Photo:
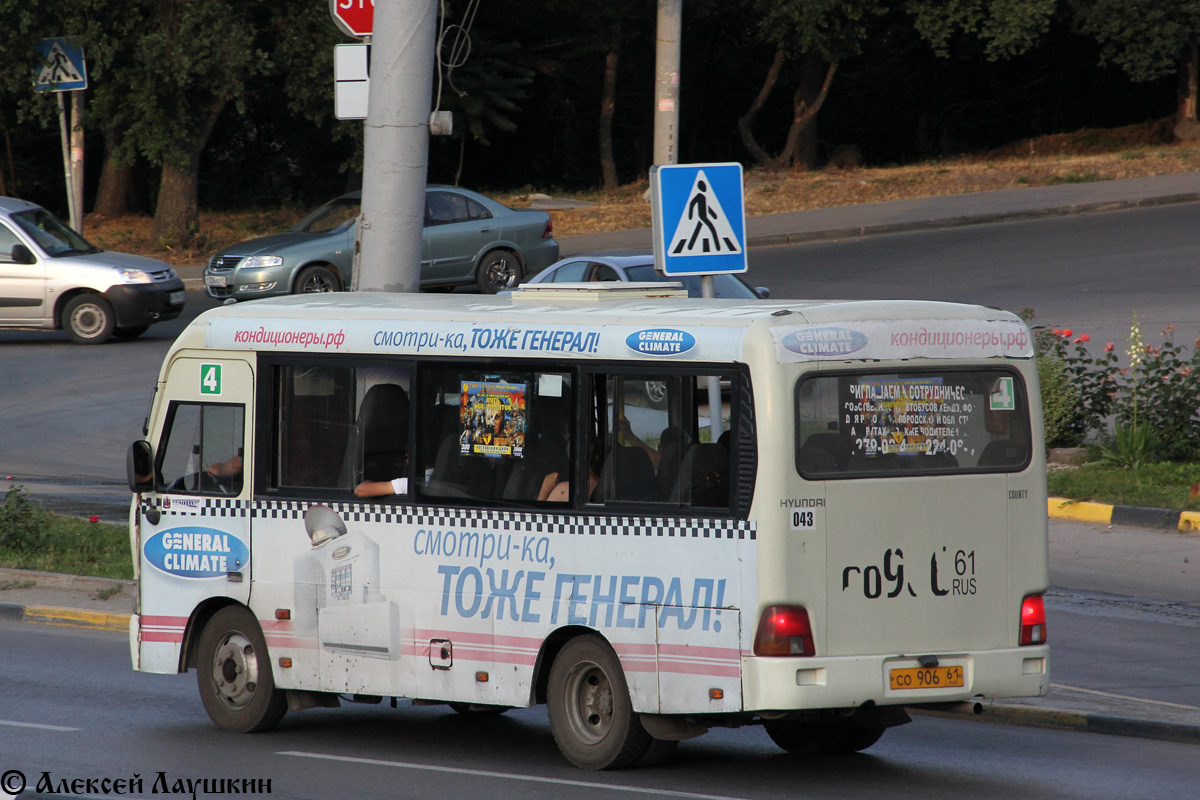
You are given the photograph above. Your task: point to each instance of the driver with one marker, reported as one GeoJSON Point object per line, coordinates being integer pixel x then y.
{"type": "Point", "coordinates": [225, 469]}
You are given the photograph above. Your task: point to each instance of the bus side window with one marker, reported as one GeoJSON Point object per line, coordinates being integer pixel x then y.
{"type": "Point", "coordinates": [203, 450]}
{"type": "Point", "coordinates": [659, 443]}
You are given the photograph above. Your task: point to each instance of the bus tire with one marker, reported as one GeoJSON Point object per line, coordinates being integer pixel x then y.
{"type": "Point", "coordinates": [822, 738]}
{"type": "Point", "coordinates": [233, 672]}
{"type": "Point", "coordinates": [591, 716]}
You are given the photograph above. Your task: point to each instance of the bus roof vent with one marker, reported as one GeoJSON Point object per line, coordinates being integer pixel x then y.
{"type": "Point", "coordinates": [596, 291]}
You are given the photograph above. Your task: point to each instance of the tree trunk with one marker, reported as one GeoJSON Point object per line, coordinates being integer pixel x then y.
{"type": "Point", "coordinates": [177, 216]}
{"type": "Point", "coordinates": [1189, 83]}
{"type": "Point", "coordinates": [806, 155]}
{"type": "Point", "coordinates": [746, 123]}
{"type": "Point", "coordinates": [113, 195]}
{"type": "Point", "coordinates": [802, 113]}
{"type": "Point", "coordinates": [608, 103]}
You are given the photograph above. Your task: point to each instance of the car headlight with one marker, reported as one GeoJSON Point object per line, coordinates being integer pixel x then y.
{"type": "Point", "coordinates": [258, 262]}
{"type": "Point", "coordinates": [130, 275]}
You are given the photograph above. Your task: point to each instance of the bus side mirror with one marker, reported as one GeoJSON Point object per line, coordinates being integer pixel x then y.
{"type": "Point", "coordinates": [23, 255]}
{"type": "Point", "coordinates": [762, 291]}
{"type": "Point", "coordinates": [139, 466]}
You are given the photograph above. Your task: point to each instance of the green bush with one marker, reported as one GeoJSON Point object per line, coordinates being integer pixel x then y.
{"type": "Point", "coordinates": [23, 522]}
{"type": "Point", "coordinates": [33, 538]}
{"type": "Point", "coordinates": [1060, 403]}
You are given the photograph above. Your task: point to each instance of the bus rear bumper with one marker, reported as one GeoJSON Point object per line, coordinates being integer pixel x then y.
{"type": "Point", "coordinates": [780, 684]}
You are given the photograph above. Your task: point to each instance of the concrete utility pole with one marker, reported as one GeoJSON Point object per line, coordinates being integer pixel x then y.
{"type": "Point", "coordinates": [666, 82]}
{"type": "Point", "coordinates": [396, 145]}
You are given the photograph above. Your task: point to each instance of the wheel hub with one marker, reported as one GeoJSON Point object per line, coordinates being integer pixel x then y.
{"type": "Point", "coordinates": [591, 709]}
{"type": "Point", "coordinates": [235, 671]}
{"type": "Point", "coordinates": [87, 320]}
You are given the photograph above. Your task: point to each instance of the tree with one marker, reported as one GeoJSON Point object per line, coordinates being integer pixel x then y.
{"type": "Point", "coordinates": [818, 34]}
{"type": "Point", "coordinates": [192, 60]}
{"type": "Point", "coordinates": [1150, 40]}
{"type": "Point", "coordinates": [1005, 27]}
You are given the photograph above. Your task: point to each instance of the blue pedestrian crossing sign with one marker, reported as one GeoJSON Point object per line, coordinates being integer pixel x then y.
{"type": "Point", "coordinates": [60, 67]}
{"type": "Point", "coordinates": [699, 218]}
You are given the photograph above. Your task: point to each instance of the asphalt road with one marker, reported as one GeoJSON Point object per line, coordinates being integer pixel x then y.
{"type": "Point", "coordinates": [1088, 273]}
{"type": "Point", "coordinates": [72, 708]}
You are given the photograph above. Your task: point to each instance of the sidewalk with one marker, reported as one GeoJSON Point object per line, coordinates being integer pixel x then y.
{"type": "Point", "coordinates": [871, 219]}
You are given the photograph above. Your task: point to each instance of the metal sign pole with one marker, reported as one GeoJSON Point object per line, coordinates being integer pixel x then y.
{"type": "Point", "coordinates": [76, 166]}
{"type": "Point", "coordinates": [64, 134]}
{"type": "Point", "coordinates": [716, 410]}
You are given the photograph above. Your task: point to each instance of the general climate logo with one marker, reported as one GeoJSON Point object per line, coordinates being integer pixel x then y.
{"type": "Point", "coordinates": [196, 552]}
{"type": "Point", "coordinates": [660, 342]}
{"type": "Point", "coordinates": [827, 341]}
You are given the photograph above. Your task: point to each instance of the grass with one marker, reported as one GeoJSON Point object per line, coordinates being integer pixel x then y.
{"type": "Point", "coordinates": [1150, 486]}
{"type": "Point", "coordinates": [1133, 151]}
{"type": "Point", "coordinates": [33, 538]}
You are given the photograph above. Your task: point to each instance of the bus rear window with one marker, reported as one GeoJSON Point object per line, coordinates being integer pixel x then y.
{"type": "Point", "coordinates": [887, 423]}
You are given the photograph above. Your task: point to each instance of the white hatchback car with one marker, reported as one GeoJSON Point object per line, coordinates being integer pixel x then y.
{"type": "Point", "coordinates": [52, 278]}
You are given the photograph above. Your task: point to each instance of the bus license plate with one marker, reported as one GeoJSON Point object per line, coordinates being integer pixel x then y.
{"type": "Point", "coordinates": [927, 678]}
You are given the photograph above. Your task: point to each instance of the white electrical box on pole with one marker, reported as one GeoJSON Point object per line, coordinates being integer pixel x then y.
{"type": "Point", "coordinates": [396, 146]}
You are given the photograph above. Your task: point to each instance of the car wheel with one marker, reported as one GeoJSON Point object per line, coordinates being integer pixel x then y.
{"type": "Point", "coordinates": [656, 393]}
{"type": "Point", "coordinates": [498, 270]}
{"type": "Point", "coordinates": [316, 280]}
{"type": "Point", "coordinates": [233, 672]}
{"type": "Point", "coordinates": [130, 333]}
{"type": "Point", "coordinates": [88, 319]}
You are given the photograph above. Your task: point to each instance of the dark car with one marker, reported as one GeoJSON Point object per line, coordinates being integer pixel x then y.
{"type": "Point", "coordinates": [468, 239]}
{"type": "Point", "coordinates": [638, 265]}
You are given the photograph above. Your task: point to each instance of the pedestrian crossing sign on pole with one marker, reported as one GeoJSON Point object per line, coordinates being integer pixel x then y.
{"type": "Point", "coordinates": [60, 67]}
{"type": "Point", "coordinates": [699, 218]}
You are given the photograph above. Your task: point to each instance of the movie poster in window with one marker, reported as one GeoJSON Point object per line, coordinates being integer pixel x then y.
{"type": "Point", "coordinates": [493, 419]}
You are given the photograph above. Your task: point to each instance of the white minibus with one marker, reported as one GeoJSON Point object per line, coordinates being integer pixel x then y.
{"type": "Point", "coordinates": [824, 513]}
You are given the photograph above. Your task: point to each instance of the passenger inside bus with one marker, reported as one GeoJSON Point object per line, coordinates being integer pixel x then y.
{"type": "Point", "coordinates": [381, 442]}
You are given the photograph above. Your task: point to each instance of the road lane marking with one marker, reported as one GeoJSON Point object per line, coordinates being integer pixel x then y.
{"type": "Point", "coordinates": [505, 775]}
{"type": "Point", "coordinates": [37, 725]}
{"type": "Point", "coordinates": [1123, 697]}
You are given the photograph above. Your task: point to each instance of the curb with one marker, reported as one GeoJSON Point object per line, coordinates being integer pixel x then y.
{"type": "Point", "coordinates": [67, 617]}
{"type": "Point", "coordinates": [1157, 518]}
{"type": "Point", "coordinates": [1076, 721]}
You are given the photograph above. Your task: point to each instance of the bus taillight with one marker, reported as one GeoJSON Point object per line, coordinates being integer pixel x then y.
{"type": "Point", "coordinates": [784, 631]}
{"type": "Point", "coordinates": [1033, 620]}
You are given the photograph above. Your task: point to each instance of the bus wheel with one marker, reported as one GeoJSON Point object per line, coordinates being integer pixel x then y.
{"type": "Point", "coordinates": [234, 674]}
{"type": "Point", "coordinates": [591, 717]}
{"type": "Point", "coordinates": [822, 738]}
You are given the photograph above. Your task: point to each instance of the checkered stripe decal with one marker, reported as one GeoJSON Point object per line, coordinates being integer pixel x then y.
{"type": "Point", "coordinates": [484, 520]}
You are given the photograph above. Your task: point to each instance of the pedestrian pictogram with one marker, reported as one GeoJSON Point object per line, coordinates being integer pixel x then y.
{"type": "Point", "coordinates": [699, 219]}
{"type": "Point", "coordinates": [703, 229]}
{"type": "Point", "coordinates": [59, 67]}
